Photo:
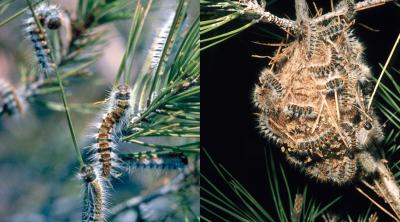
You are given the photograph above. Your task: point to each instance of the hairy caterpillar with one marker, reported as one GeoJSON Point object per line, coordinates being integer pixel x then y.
{"type": "Point", "coordinates": [158, 44]}
{"type": "Point", "coordinates": [325, 70]}
{"type": "Point", "coordinates": [334, 84]}
{"type": "Point", "coordinates": [296, 111]}
{"type": "Point", "coordinates": [10, 101]}
{"type": "Point", "coordinates": [312, 41]}
{"type": "Point", "coordinates": [332, 31]}
{"type": "Point", "coordinates": [339, 172]}
{"type": "Point", "coordinates": [105, 146]}
{"type": "Point", "coordinates": [269, 87]}
{"type": "Point", "coordinates": [265, 129]}
{"type": "Point", "coordinates": [48, 16]}
{"type": "Point", "coordinates": [94, 197]}
{"type": "Point", "coordinates": [151, 160]}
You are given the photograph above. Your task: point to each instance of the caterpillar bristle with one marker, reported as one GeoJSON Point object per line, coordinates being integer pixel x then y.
{"type": "Point", "coordinates": [94, 196]}
{"type": "Point", "coordinates": [103, 152]}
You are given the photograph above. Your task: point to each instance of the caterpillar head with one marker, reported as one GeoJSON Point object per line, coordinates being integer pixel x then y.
{"type": "Point", "coordinates": [53, 17]}
{"type": "Point", "coordinates": [53, 22]}
{"type": "Point", "coordinates": [368, 132]}
{"type": "Point", "coordinates": [87, 173]}
{"type": "Point", "coordinates": [123, 88]}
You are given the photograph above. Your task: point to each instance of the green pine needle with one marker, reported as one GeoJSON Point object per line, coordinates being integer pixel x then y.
{"type": "Point", "coordinates": [244, 207]}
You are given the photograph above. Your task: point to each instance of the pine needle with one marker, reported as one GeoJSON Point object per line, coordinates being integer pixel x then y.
{"type": "Point", "coordinates": [383, 70]}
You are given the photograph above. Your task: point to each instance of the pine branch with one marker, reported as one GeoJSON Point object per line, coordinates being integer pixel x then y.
{"type": "Point", "coordinates": [169, 99]}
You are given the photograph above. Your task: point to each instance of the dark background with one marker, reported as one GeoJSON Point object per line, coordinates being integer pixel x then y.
{"type": "Point", "coordinates": [228, 123]}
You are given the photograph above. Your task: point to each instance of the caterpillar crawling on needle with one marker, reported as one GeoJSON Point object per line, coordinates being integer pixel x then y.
{"type": "Point", "coordinates": [106, 139]}
{"type": "Point", "coordinates": [48, 16]}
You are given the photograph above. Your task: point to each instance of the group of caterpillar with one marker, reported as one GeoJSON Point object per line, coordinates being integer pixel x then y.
{"type": "Point", "coordinates": [48, 16]}
{"type": "Point", "coordinates": [112, 123]}
{"type": "Point", "coordinates": [323, 68]}
{"type": "Point", "coordinates": [12, 100]}
{"type": "Point", "coordinates": [105, 161]}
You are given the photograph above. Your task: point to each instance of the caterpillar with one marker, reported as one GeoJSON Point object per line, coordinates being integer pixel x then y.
{"type": "Point", "coordinates": [339, 171]}
{"type": "Point", "coordinates": [348, 5]}
{"type": "Point", "coordinates": [321, 146]}
{"type": "Point", "coordinates": [269, 87]}
{"type": "Point", "coordinates": [49, 16]}
{"type": "Point", "coordinates": [332, 31]}
{"type": "Point", "coordinates": [151, 160]}
{"type": "Point", "coordinates": [158, 45]}
{"type": "Point", "coordinates": [296, 111]}
{"type": "Point", "coordinates": [354, 47]}
{"type": "Point", "coordinates": [94, 195]}
{"type": "Point", "coordinates": [334, 84]}
{"type": "Point", "coordinates": [321, 71]}
{"type": "Point", "coordinates": [10, 101]}
{"type": "Point", "coordinates": [266, 130]}
{"type": "Point", "coordinates": [111, 123]}
{"type": "Point", "coordinates": [312, 40]}
{"type": "Point", "coordinates": [268, 79]}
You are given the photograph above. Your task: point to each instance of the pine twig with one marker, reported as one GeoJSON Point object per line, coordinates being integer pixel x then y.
{"type": "Point", "coordinates": [386, 187]}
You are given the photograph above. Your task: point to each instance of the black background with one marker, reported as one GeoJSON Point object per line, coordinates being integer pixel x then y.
{"type": "Point", "coordinates": [228, 126]}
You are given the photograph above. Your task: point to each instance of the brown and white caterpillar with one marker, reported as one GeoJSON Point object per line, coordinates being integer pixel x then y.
{"type": "Point", "coordinates": [10, 101]}
{"type": "Point", "coordinates": [103, 151]}
{"type": "Point", "coordinates": [14, 100]}
{"type": "Point", "coordinates": [151, 160]}
{"type": "Point", "coordinates": [48, 16]}
{"type": "Point", "coordinates": [94, 195]}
